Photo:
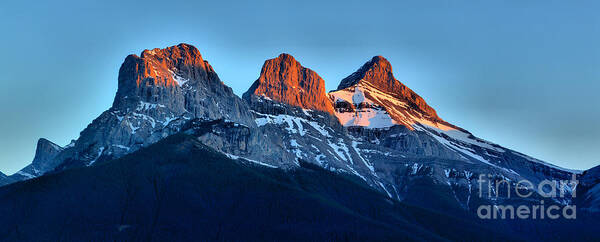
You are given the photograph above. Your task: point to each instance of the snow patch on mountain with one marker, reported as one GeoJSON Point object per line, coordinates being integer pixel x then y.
{"type": "Point", "coordinates": [98, 156]}
{"type": "Point", "coordinates": [341, 150]}
{"type": "Point", "coordinates": [366, 112]}
{"type": "Point", "coordinates": [294, 124]}
{"type": "Point", "coordinates": [366, 106]}
{"type": "Point", "coordinates": [357, 150]}
{"type": "Point", "coordinates": [180, 80]}
{"type": "Point", "coordinates": [25, 174]}
{"type": "Point", "coordinates": [235, 157]}
{"type": "Point", "coordinates": [386, 191]}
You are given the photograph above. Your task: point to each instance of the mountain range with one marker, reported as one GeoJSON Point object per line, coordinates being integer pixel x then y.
{"type": "Point", "coordinates": [371, 156]}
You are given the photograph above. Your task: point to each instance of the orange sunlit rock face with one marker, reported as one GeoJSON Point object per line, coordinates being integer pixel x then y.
{"type": "Point", "coordinates": [159, 67]}
{"type": "Point", "coordinates": [157, 74]}
{"type": "Point", "coordinates": [283, 79]}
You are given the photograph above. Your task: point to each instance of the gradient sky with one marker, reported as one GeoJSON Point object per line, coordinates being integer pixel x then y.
{"type": "Point", "coordinates": [523, 74]}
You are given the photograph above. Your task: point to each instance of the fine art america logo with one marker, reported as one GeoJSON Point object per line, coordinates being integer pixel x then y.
{"type": "Point", "coordinates": [545, 197]}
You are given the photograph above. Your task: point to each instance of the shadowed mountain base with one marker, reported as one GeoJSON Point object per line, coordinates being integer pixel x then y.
{"type": "Point", "coordinates": [179, 189]}
{"type": "Point", "coordinates": [190, 191]}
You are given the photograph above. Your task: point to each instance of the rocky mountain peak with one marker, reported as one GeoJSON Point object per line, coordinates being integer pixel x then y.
{"type": "Point", "coordinates": [377, 71]}
{"type": "Point", "coordinates": [286, 58]}
{"type": "Point", "coordinates": [373, 86]}
{"type": "Point", "coordinates": [173, 67]}
{"type": "Point", "coordinates": [45, 149]}
{"type": "Point", "coordinates": [285, 80]}
{"type": "Point", "coordinates": [43, 161]}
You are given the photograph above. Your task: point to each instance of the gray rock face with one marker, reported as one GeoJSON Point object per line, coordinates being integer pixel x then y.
{"type": "Point", "coordinates": [45, 153]}
{"type": "Point", "coordinates": [226, 136]}
{"type": "Point", "coordinates": [401, 139]}
{"type": "Point", "coordinates": [292, 135]}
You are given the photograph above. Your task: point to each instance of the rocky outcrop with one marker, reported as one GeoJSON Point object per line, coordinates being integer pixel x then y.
{"type": "Point", "coordinates": [225, 136]}
{"type": "Point", "coordinates": [45, 152]}
{"type": "Point", "coordinates": [43, 161]}
{"type": "Point", "coordinates": [285, 80]}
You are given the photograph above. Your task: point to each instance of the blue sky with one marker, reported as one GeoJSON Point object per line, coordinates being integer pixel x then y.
{"type": "Point", "coordinates": [523, 74]}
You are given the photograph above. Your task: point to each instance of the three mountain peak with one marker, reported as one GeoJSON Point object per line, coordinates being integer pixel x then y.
{"type": "Point", "coordinates": [282, 79]}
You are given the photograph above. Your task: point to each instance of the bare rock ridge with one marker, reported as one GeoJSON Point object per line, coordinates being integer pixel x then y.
{"type": "Point", "coordinates": [285, 80]}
